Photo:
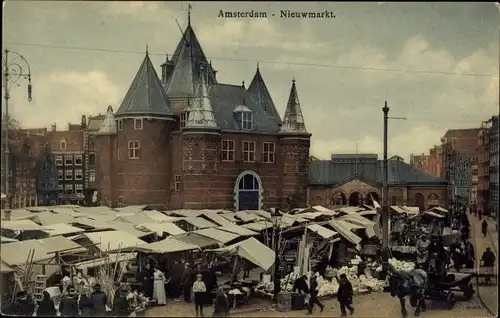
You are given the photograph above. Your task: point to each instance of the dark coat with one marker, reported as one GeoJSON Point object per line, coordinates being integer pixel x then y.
{"type": "Point", "coordinates": [69, 306]}
{"type": "Point", "coordinates": [300, 285]}
{"type": "Point", "coordinates": [98, 300]}
{"type": "Point", "coordinates": [46, 308]}
{"type": "Point", "coordinates": [313, 291]}
{"type": "Point", "coordinates": [24, 308]}
{"type": "Point", "coordinates": [221, 307]}
{"type": "Point", "coordinates": [85, 306]}
{"type": "Point", "coordinates": [345, 292]}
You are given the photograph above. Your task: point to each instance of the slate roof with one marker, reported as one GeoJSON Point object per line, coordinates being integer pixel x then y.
{"type": "Point", "coordinates": [293, 121]}
{"type": "Point", "coordinates": [225, 98]}
{"type": "Point", "coordinates": [146, 95]}
{"type": "Point", "coordinates": [324, 172]}
{"type": "Point", "coordinates": [187, 58]}
{"type": "Point", "coordinates": [259, 89]}
{"type": "Point", "coordinates": [108, 125]}
{"type": "Point", "coordinates": [201, 114]}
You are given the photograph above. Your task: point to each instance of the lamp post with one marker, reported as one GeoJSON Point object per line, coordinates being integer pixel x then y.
{"type": "Point", "coordinates": [385, 194]}
{"type": "Point", "coordinates": [276, 220]}
{"type": "Point", "coordinates": [14, 69]}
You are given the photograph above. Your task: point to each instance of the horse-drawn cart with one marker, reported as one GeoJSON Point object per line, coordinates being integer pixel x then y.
{"type": "Point", "coordinates": [444, 288]}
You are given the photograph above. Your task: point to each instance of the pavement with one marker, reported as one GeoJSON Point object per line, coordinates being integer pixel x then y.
{"type": "Point", "coordinates": [488, 294]}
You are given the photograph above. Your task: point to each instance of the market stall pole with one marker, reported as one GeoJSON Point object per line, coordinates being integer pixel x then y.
{"type": "Point", "coordinates": [276, 219]}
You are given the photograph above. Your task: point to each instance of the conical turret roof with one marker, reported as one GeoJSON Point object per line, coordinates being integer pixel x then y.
{"type": "Point", "coordinates": [108, 126]}
{"type": "Point", "coordinates": [260, 92]}
{"type": "Point", "coordinates": [201, 114]}
{"type": "Point", "coordinates": [293, 121]}
{"type": "Point", "coordinates": [187, 58]}
{"type": "Point", "coordinates": [146, 96]}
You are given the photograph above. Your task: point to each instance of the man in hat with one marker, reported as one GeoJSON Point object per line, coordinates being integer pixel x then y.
{"type": "Point", "coordinates": [69, 303]}
{"type": "Point", "coordinates": [99, 300]}
{"type": "Point", "coordinates": [21, 306]}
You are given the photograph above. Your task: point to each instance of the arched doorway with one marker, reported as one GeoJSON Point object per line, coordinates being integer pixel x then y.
{"type": "Point", "coordinates": [432, 200]}
{"type": "Point", "coordinates": [369, 200]}
{"type": "Point", "coordinates": [248, 191]}
{"type": "Point", "coordinates": [338, 198]}
{"type": "Point", "coordinates": [355, 199]}
{"type": "Point", "coordinates": [419, 200]}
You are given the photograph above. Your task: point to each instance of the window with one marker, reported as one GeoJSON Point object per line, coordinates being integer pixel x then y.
{"type": "Point", "coordinates": [62, 144]}
{"type": "Point", "coordinates": [120, 200]}
{"type": "Point", "coordinates": [246, 120]}
{"type": "Point", "coordinates": [79, 188]}
{"type": "Point", "coordinates": [184, 118]}
{"type": "Point", "coordinates": [68, 160]}
{"type": "Point", "coordinates": [60, 187]}
{"type": "Point", "coordinates": [133, 149]}
{"type": "Point", "coordinates": [249, 151]}
{"type": "Point", "coordinates": [138, 123]}
{"type": "Point", "coordinates": [78, 174]}
{"type": "Point", "coordinates": [78, 160]}
{"type": "Point", "coordinates": [68, 188]}
{"type": "Point", "coordinates": [119, 124]}
{"type": "Point", "coordinates": [92, 176]}
{"type": "Point", "coordinates": [227, 150]}
{"type": "Point", "coordinates": [52, 183]}
{"type": "Point", "coordinates": [59, 160]}
{"type": "Point", "coordinates": [268, 152]}
{"type": "Point", "coordinates": [178, 181]}
{"type": "Point", "coordinates": [91, 158]}
{"type": "Point", "coordinates": [68, 174]}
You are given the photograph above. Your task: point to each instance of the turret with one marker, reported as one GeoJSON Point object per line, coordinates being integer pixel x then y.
{"type": "Point", "coordinates": [144, 124]}
{"type": "Point", "coordinates": [105, 146]}
{"type": "Point", "coordinates": [295, 142]}
{"type": "Point", "coordinates": [166, 71]}
{"type": "Point", "coordinates": [200, 141]}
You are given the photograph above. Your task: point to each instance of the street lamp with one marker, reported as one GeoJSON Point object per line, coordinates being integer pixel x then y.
{"type": "Point", "coordinates": [276, 220]}
{"type": "Point", "coordinates": [13, 70]}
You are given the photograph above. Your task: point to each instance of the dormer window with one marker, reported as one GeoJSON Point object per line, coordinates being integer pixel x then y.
{"type": "Point", "coordinates": [62, 144]}
{"type": "Point", "coordinates": [244, 117]}
{"type": "Point", "coordinates": [184, 118]}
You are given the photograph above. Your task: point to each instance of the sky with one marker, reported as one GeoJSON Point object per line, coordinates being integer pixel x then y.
{"type": "Point", "coordinates": [436, 64]}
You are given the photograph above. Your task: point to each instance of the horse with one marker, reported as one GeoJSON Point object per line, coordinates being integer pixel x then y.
{"type": "Point", "coordinates": [412, 284]}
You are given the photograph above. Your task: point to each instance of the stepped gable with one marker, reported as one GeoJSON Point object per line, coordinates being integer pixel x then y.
{"type": "Point", "coordinates": [146, 96]}
{"type": "Point", "coordinates": [293, 121]}
{"type": "Point", "coordinates": [187, 58]}
{"type": "Point", "coordinates": [259, 90]}
{"type": "Point", "coordinates": [108, 125]}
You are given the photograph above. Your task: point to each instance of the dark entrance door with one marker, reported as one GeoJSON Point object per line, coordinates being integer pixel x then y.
{"type": "Point", "coordinates": [248, 193]}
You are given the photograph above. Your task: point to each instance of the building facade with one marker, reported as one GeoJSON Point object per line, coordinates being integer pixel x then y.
{"type": "Point", "coordinates": [357, 179]}
{"type": "Point", "coordinates": [493, 168]}
{"type": "Point", "coordinates": [430, 163]}
{"type": "Point", "coordinates": [188, 141]}
{"type": "Point", "coordinates": [47, 181]}
{"type": "Point", "coordinates": [483, 166]}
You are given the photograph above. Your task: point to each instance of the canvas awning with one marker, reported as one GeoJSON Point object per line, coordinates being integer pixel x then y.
{"type": "Point", "coordinates": [135, 219]}
{"type": "Point", "coordinates": [229, 216]}
{"type": "Point", "coordinates": [220, 220]}
{"type": "Point", "coordinates": [160, 228]}
{"type": "Point", "coordinates": [199, 223]}
{"type": "Point", "coordinates": [433, 214]}
{"type": "Point", "coordinates": [47, 218]}
{"type": "Point", "coordinates": [22, 225]}
{"type": "Point", "coordinates": [247, 217]}
{"type": "Point", "coordinates": [345, 232]}
{"type": "Point", "coordinates": [322, 231]}
{"type": "Point", "coordinates": [439, 209]}
{"type": "Point", "coordinates": [368, 225]}
{"type": "Point", "coordinates": [61, 229]}
{"type": "Point", "coordinates": [261, 213]}
{"type": "Point", "coordinates": [16, 253]}
{"type": "Point", "coordinates": [398, 209]}
{"type": "Point", "coordinates": [112, 259]}
{"type": "Point", "coordinates": [186, 213]}
{"type": "Point", "coordinates": [113, 240]}
{"type": "Point", "coordinates": [4, 239]}
{"type": "Point", "coordinates": [258, 226]}
{"type": "Point", "coordinates": [61, 244]}
{"type": "Point", "coordinates": [236, 229]}
{"type": "Point", "coordinates": [197, 240]}
{"type": "Point", "coordinates": [351, 209]}
{"type": "Point", "coordinates": [412, 209]}
{"type": "Point", "coordinates": [310, 215]}
{"type": "Point", "coordinates": [160, 217]}
{"type": "Point", "coordinates": [220, 236]}
{"type": "Point", "coordinates": [251, 250]}
{"type": "Point", "coordinates": [4, 268]}
{"type": "Point", "coordinates": [168, 245]}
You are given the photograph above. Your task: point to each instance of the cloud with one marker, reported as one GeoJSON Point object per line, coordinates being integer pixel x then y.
{"type": "Point", "coordinates": [63, 97]}
{"type": "Point", "coordinates": [138, 11]}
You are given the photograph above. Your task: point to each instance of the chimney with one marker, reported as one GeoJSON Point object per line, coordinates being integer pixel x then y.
{"type": "Point", "coordinates": [84, 122]}
{"type": "Point", "coordinates": [167, 69]}
{"type": "Point", "coordinates": [53, 127]}
{"type": "Point", "coordinates": [6, 215]}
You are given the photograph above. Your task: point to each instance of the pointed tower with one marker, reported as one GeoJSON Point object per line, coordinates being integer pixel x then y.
{"type": "Point", "coordinates": [258, 90]}
{"type": "Point", "coordinates": [105, 146]}
{"type": "Point", "coordinates": [187, 59]}
{"type": "Point", "coordinates": [200, 143]}
{"type": "Point", "coordinates": [295, 142]}
{"type": "Point", "coordinates": [144, 123]}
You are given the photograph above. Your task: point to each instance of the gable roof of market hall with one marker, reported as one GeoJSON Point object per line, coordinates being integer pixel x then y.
{"type": "Point", "coordinates": [343, 168]}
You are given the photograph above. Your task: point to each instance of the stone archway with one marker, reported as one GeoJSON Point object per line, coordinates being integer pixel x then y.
{"type": "Point", "coordinates": [432, 200]}
{"type": "Point", "coordinates": [338, 198]}
{"type": "Point", "coordinates": [369, 196]}
{"type": "Point", "coordinates": [355, 199]}
{"type": "Point", "coordinates": [419, 201]}
{"type": "Point", "coordinates": [248, 191]}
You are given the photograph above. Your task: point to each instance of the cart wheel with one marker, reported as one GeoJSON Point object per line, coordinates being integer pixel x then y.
{"type": "Point", "coordinates": [468, 291]}
{"type": "Point", "coordinates": [450, 301]}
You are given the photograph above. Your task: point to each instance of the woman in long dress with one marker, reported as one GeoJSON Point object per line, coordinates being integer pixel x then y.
{"type": "Point", "coordinates": [221, 304]}
{"type": "Point", "coordinates": [159, 293]}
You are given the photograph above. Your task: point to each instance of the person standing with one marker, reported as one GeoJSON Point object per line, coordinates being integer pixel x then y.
{"type": "Point", "coordinates": [484, 228]}
{"type": "Point", "coordinates": [85, 306]}
{"type": "Point", "coordinates": [199, 290]}
{"type": "Point", "coordinates": [344, 295]}
{"type": "Point", "coordinates": [46, 307]}
{"type": "Point", "coordinates": [221, 304]}
{"type": "Point", "coordinates": [187, 283]}
{"type": "Point", "coordinates": [159, 287]}
{"type": "Point", "coordinates": [146, 278]}
{"type": "Point", "coordinates": [488, 260]}
{"type": "Point", "coordinates": [98, 299]}
{"type": "Point", "coordinates": [69, 303]}
{"type": "Point", "coordinates": [313, 295]}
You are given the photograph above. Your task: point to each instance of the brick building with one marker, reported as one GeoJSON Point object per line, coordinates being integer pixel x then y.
{"type": "Point", "coordinates": [482, 175]}
{"type": "Point", "coordinates": [187, 141]}
{"type": "Point", "coordinates": [430, 163]}
{"type": "Point", "coordinates": [354, 179]}
{"type": "Point", "coordinates": [494, 179]}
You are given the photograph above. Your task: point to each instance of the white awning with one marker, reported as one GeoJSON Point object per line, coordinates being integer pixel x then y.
{"type": "Point", "coordinates": [220, 220]}
{"type": "Point", "coordinates": [251, 250]}
{"type": "Point", "coordinates": [439, 209]}
{"type": "Point", "coordinates": [113, 240]}
{"type": "Point", "coordinates": [345, 232]}
{"type": "Point", "coordinates": [168, 245]}
{"type": "Point", "coordinates": [199, 223]}
{"type": "Point", "coordinates": [236, 229]}
{"type": "Point", "coordinates": [247, 217]}
{"type": "Point", "coordinates": [22, 225]}
{"type": "Point", "coordinates": [220, 236]}
{"type": "Point", "coordinates": [61, 229]}
{"type": "Point", "coordinates": [436, 215]}
{"type": "Point", "coordinates": [321, 231]}
{"type": "Point", "coordinates": [111, 259]}
{"type": "Point", "coordinates": [160, 228]}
